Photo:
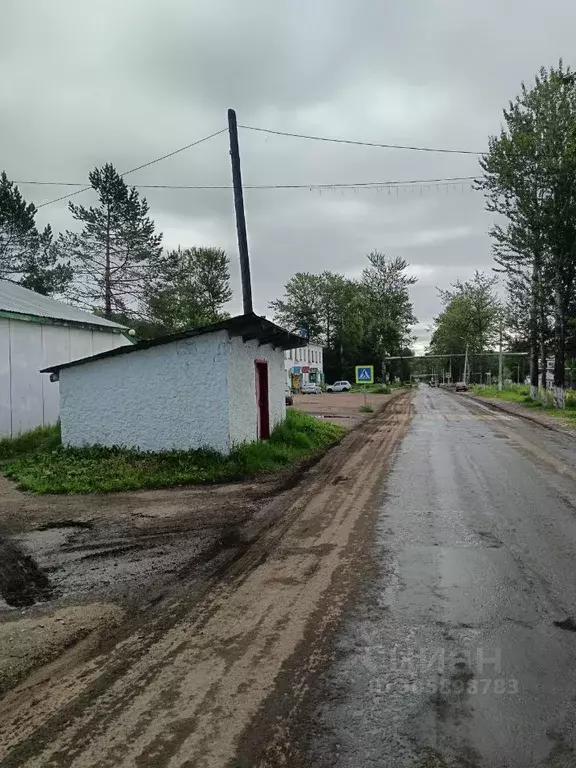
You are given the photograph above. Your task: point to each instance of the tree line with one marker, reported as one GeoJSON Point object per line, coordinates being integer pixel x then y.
{"type": "Point", "coordinates": [356, 321]}
{"type": "Point", "coordinates": [529, 179]}
{"type": "Point", "coordinates": [113, 263]}
{"type": "Point", "coordinates": [529, 182]}
{"type": "Point", "coordinates": [468, 327]}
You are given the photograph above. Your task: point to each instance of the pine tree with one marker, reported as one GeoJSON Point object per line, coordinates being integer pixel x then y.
{"type": "Point", "coordinates": [111, 256]}
{"type": "Point", "coordinates": [27, 256]}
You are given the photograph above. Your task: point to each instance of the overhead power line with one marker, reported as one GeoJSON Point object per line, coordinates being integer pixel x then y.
{"type": "Point", "coordinates": [341, 185]}
{"type": "Point", "coordinates": [125, 173]}
{"type": "Point", "coordinates": [361, 143]}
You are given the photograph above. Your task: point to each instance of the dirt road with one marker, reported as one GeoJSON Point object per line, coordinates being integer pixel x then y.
{"type": "Point", "coordinates": [342, 408]}
{"type": "Point", "coordinates": [214, 675]}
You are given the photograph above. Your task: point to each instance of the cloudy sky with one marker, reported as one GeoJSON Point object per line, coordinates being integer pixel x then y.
{"type": "Point", "coordinates": [86, 83]}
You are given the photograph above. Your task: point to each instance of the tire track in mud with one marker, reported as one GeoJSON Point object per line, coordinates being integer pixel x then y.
{"type": "Point", "coordinates": [224, 670]}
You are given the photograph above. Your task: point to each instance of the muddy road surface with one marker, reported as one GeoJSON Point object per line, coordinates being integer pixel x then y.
{"type": "Point", "coordinates": [217, 671]}
{"type": "Point", "coordinates": [461, 650]}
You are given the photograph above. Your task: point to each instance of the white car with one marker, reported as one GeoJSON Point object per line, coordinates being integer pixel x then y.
{"type": "Point", "coordinates": [311, 389]}
{"type": "Point", "coordinates": [339, 386]}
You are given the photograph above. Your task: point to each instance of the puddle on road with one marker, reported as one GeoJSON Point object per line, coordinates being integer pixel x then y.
{"type": "Point", "coordinates": [56, 524]}
{"type": "Point", "coordinates": [22, 582]}
{"type": "Point", "coordinates": [568, 624]}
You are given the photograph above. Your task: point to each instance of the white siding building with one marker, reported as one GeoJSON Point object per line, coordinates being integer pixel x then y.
{"type": "Point", "coordinates": [214, 387]}
{"type": "Point", "coordinates": [304, 365]}
{"type": "Point", "coordinates": [34, 332]}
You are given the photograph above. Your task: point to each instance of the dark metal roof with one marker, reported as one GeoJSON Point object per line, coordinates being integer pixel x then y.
{"type": "Point", "coordinates": [250, 327]}
{"type": "Point", "coordinates": [21, 301]}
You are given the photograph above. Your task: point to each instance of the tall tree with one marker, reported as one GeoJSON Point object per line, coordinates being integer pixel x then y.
{"type": "Point", "coordinates": [469, 321]}
{"type": "Point", "coordinates": [189, 287]}
{"type": "Point", "coordinates": [112, 254]}
{"type": "Point", "coordinates": [342, 319]}
{"type": "Point", "coordinates": [355, 321]}
{"type": "Point", "coordinates": [301, 307]}
{"type": "Point", "coordinates": [389, 313]}
{"type": "Point", "coordinates": [530, 178]}
{"type": "Point", "coordinates": [27, 256]}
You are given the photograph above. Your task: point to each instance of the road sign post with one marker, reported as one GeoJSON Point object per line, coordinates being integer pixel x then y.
{"type": "Point", "coordinates": [364, 375]}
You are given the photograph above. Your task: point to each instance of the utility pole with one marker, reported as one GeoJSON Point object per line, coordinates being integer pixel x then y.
{"type": "Point", "coordinates": [500, 361]}
{"type": "Point", "coordinates": [240, 217]}
{"type": "Point", "coordinates": [466, 365]}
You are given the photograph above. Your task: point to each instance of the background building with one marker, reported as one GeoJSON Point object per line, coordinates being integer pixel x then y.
{"type": "Point", "coordinates": [36, 331]}
{"type": "Point", "coordinates": [304, 365]}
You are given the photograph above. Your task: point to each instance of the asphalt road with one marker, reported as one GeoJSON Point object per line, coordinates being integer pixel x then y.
{"type": "Point", "coordinates": [461, 650]}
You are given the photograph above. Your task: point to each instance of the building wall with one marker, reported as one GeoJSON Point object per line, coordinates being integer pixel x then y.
{"type": "Point", "coordinates": [310, 356]}
{"type": "Point", "coordinates": [27, 398]}
{"type": "Point", "coordinates": [242, 388]}
{"type": "Point", "coordinates": [169, 397]}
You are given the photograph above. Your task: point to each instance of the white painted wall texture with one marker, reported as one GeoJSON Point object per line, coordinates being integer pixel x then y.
{"type": "Point", "coordinates": [194, 393]}
{"type": "Point", "coordinates": [27, 398]}
{"type": "Point", "coordinates": [168, 397]}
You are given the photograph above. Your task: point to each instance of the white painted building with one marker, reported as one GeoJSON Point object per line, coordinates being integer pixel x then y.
{"type": "Point", "coordinates": [35, 331]}
{"type": "Point", "coordinates": [216, 387]}
{"type": "Point", "coordinates": [303, 365]}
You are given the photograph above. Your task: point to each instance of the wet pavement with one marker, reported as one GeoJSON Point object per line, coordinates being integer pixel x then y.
{"type": "Point", "coordinates": [461, 650]}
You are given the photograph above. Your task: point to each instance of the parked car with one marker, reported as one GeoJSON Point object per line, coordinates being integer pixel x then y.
{"type": "Point", "coordinates": [339, 386]}
{"type": "Point", "coordinates": [311, 389]}
{"type": "Point", "coordinates": [289, 398]}
{"type": "Point", "coordinates": [461, 386]}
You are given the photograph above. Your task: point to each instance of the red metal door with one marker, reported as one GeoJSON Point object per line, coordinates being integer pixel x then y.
{"type": "Point", "coordinates": [262, 400]}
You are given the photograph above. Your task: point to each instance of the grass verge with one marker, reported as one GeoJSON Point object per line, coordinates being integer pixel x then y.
{"type": "Point", "coordinates": [39, 440]}
{"type": "Point", "coordinates": [520, 393]}
{"type": "Point", "coordinates": [39, 463]}
{"type": "Point", "coordinates": [379, 389]}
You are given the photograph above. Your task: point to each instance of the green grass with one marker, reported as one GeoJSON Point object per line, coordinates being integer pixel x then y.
{"type": "Point", "coordinates": [520, 393]}
{"type": "Point", "coordinates": [373, 389]}
{"type": "Point", "coordinates": [38, 463]}
{"type": "Point", "coordinates": [38, 440]}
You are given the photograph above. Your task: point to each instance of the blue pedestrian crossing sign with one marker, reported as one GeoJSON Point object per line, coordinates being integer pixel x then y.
{"type": "Point", "coordinates": [364, 374]}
